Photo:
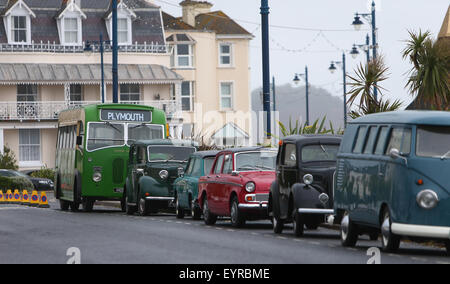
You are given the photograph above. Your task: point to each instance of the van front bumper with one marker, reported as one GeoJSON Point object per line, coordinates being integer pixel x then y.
{"type": "Point", "coordinates": [434, 232]}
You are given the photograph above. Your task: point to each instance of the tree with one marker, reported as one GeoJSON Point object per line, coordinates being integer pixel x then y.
{"type": "Point", "coordinates": [8, 160]}
{"type": "Point", "coordinates": [366, 79]}
{"type": "Point", "coordinates": [318, 127]}
{"type": "Point", "coordinates": [428, 78]}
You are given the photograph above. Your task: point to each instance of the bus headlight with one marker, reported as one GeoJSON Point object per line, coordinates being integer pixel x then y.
{"type": "Point", "coordinates": [163, 174]}
{"type": "Point", "coordinates": [250, 187]}
{"type": "Point", "coordinates": [427, 199]}
{"type": "Point", "coordinates": [97, 177]}
{"type": "Point", "coordinates": [308, 179]}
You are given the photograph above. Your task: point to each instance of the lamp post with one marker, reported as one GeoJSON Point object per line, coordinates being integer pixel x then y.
{"type": "Point", "coordinates": [358, 23]}
{"type": "Point", "coordinates": [364, 47]}
{"type": "Point", "coordinates": [88, 49]}
{"type": "Point", "coordinates": [297, 81]}
{"type": "Point", "coordinates": [265, 62]}
{"type": "Point", "coordinates": [333, 69]}
{"type": "Point", "coordinates": [115, 57]}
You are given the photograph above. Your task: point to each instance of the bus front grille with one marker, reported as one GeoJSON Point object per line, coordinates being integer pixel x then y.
{"type": "Point", "coordinates": [118, 168]}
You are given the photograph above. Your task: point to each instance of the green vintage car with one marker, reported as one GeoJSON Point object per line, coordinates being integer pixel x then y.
{"type": "Point", "coordinates": [186, 187]}
{"type": "Point", "coordinates": [152, 169]}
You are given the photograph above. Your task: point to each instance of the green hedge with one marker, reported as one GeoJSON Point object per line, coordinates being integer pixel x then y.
{"type": "Point", "coordinates": [13, 183]}
{"type": "Point", "coordinates": [44, 172]}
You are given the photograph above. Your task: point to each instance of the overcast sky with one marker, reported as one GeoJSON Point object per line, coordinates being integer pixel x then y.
{"type": "Point", "coordinates": [394, 17]}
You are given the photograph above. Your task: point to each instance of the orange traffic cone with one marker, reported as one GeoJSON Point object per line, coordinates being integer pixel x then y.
{"type": "Point", "coordinates": [34, 202]}
{"type": "Point", "coordinates": [16, 197]}
{"type": "Point", "coordinates": [8, 196]}
{"type": "Point", "coordinates": [43, 201]}
{"type": "Point", "coordinates": [2, 197]}
{"type": "Point", "coordinates": [25, 198]}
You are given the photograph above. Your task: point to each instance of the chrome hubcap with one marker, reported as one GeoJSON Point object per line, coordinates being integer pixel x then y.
{"type": "Point", "coordinates": [344, 227]}
{"type": "Point", "coordinates": [275, 222]}
{"type": "Point", "coordinates": [386, 229]}
{"type": "Point", "coordinates": [205, 209]}
{"type": "Point", "coordinates": [234, 212]}
{"type": "Point", "coordinates": [142, 205]}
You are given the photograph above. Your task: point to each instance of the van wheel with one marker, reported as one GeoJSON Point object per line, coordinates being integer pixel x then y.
{"type": "Point", "coordinates": [179, 210]}
{"type": "Point", "coordinates": [447, 246]}
{"type": "Point", "coordinates": [278, 225]}
{"type": "Point", "coordinates": [88, 205]}
{"type": "Point", "coordinates": [299, 224]}
{"type": "Point", "coordinates": [64, 205]}
{"type": "Point", "coordinates": [349, 232]}
{"type": "Point", "coordinates": [210, 219]}
{"type": "Point", "coordinates": [389, 241]}
{"type": "Point", "coordinates": [237, 218]}
{"type": "Point", "coordinates": [130, 210]}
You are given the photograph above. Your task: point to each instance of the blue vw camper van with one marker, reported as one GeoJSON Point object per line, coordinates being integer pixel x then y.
{"type": "Point", "coordinates": [393, 177]}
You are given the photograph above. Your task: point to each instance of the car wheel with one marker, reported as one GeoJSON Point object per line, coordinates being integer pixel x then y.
{"type": "Point", "coordinates": [389, 241]}
{"type": "Point", "coordinates": [143, 207]}
{"type": "Point", "coordinates": [64, 205]}
{"type": "Point", "coordinates": [88, 205]}
{"type": "Point", "coordinates": [278, 225]}
{"type": "Point", "coordinates": [374, 236]}
{"type": "Point", "coordinates": [299, 224]}
{"type": "Point", "coordinates": [210, 219]}
{"type": "Point", "coordinates": [74, 206]}
{"type": "Point", "coordinates": [196, 213]}
{"type": "Point", "coordinates": [130, 209]}
{"type": "Point", "coordinates": [447, 246]}
{"type": "Point", "coordinates": [179, 210]}
{"type": "Point", "coordinates": [237, 218]}
{"type": "Point", "coordinates": [349, 232]}
{"type": "Point", "coordinates": [311, 223]}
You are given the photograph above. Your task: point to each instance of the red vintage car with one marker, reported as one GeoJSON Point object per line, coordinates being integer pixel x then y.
{"type": "Point", "coordinates": [238, 185]}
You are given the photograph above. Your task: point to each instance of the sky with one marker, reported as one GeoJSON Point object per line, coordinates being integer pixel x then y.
{"type": "Point", "coordinates": [314, 33]}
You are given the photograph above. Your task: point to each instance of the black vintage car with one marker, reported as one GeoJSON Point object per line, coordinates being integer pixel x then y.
{"type": "Point", "coordinates": [153, 167]}
{"type": "Point", "coordinates": [303, 190]}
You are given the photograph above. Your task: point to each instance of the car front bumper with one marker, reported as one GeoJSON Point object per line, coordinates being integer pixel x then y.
{"type": "Point", "coordinates": [434, 232]}
{"type": "Point", "coordinates": [157, 198]}
{"type": "Point", "coordinates": [316, 211]}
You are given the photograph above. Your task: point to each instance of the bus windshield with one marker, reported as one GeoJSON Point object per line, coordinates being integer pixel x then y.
{"type": "Point", "coordinates": [144, 132]}
{"type": "Point", "coordinates": [169, 153]}
{"type": "Point", "coordinates": [433, 142]}
{"type": "Point", "coordinates": [103, 135]}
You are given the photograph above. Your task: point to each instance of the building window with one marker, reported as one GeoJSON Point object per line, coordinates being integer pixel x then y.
{"type": "Point", "coordinates": [183, 56]}
{"type": "Point", "coordinates": [226, 96]}
{"type": "Point", "coordinates": [19, 29]}
{"type": "Point", "coordinates": [187, 96]}
{"type": "Point", "coordinates": [29, 145]}
{"type": "Point", "coordinates": [26, 93]}
{"type": "Point", "coordinates": [225, 55]}
{"type": "Point", "coordinates": [75, 93]}
{"type": "Point", "coordinates": [122, 31]}
{"type": "Point", "coordinates": [70, 30]}
{"type": "Point", "coordinates": [130, 93]}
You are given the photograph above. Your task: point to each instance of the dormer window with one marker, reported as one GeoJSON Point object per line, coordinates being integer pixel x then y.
{"type": "Point", "coordinates": [69, 21]}
{"type": "Point", "coordinates": [17, 21]}
{"type": "Point", "coordinates": [70, 30]}
{"type": "Point", "coordinates": [125, 18]}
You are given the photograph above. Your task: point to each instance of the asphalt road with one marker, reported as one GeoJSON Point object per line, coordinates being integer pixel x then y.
{"type": "Point", "coordinates": [32, 235]}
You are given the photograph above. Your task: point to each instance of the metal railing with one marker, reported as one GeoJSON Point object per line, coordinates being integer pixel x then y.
{"type": "Point", "coordinates": [49, 110]}
{"type": "Point", "coordinates": [54, 47]}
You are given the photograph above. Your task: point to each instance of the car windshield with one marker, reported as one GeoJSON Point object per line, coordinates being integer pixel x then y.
{"type": "Point", "coordinates": [263, 160]}
{"type": "Point", "coordinates": [169, 153]}
{"type": "Point", "coordinates": [12, 174]}
{"type": "Point", "coordinates": [433, 141]}
{"type": "Point", "coordinates": [144, 132]}
{"type": "Point", "coordinates": [103, 135]}
{"type": "Point", "coordinates": [320, 152]}
{"type": "Point", "coordinates": [209, 164]}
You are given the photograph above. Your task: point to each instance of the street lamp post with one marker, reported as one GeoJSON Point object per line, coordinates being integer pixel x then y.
{"type": "Point", "coordinates": [115, 56]}
{"type": "Point", "coordinates": [333, 69]}
{"type": "Point", "coordinates": [365, 47]}
{"type": "Point", "coordinates": [265, 62]}
{"type": "Point", "coordinates": [297, 81]}
{"type": "Point", "coordinates": [88, 49]}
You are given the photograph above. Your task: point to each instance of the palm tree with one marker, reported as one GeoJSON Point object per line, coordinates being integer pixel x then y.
{"type": "Point", "coordinates": [363, 84]}
{"type": "Point", "coordinates": [428, 78]}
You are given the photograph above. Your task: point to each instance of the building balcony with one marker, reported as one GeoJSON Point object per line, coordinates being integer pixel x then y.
{"type": "Point", "coordinates": [49, 47]}
{"type": "Point", "coordinates": [48, 110]}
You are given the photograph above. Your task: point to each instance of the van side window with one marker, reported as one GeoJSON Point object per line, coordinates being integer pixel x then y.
{"type": "Point", "coordinates": [290, 155]}
{"type": "Point", "coordinates": [371, 140]}
{"type": "Point", "coordinates": [381, 141]}
{"type": "Point", "coordinates": [361, 137]}
{"type": "Point", "coordinates": [401, 140]}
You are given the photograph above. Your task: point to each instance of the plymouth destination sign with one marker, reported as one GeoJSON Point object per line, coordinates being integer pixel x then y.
{"type": "Point", "coordinates": [126, 115]}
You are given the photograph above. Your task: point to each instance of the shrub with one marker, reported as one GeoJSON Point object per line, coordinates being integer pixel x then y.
{"type": "Point", "coordinates": [44, 172]}
{"type": "Point", "coordinates": [13, 183]}
{"type": "Point", "coordinates": [8, 160]}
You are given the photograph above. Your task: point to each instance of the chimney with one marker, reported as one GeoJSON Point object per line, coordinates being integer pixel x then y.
{"type": "Point", "coordinates": [192, 9]}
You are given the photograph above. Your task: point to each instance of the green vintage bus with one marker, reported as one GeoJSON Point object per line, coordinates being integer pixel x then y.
{"type": "Point", "coordinates": [93, 148]}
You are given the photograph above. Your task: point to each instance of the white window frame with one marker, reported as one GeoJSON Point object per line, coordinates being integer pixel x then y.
{"type": "Point", "coordinates": [20, 9]}
{"type": "Point", "coordinates": [191, 95]}
{"type": "Point", "coordinates": [123, 12]}
{"type": "Point", "coordinates": [78, 31]}
{"type": "Point", "coordinates": [72, 11]}
{"type": "Point", "coordinates": [231, 64]}
{"type": "Point", "coordinates": [129, 94]}
{"type": "Point", "coordinates": [190, 56]}
{"type": "Point", "coordinates": [31, 163]}
{"type": "Point", "coordinates": [231, 96]}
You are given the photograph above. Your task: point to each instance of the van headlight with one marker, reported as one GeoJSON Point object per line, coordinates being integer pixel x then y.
{"type": "Point", "coordinates": [250, 187]}
{"type": "Point", "coordinates": [427, 199]}
{"type": "Point", "coordinates": [97, 177]}
{"type": "Point", "coordinates": [163, 174]}
{"type": "Point", "coordinates": [308, 179]}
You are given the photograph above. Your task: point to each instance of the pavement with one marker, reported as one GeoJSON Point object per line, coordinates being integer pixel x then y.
{"type": "Point", "coordinates": [34, 235]}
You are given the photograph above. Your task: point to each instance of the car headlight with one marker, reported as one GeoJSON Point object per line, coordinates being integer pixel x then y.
{"type": "Point", "coordinates": [308, 179]}
{"type": "Point", "coordinates": [97, 177]}
{"type": "Point", "coordinates": [250, 187]}
{"type": "Point", "coordinates": [427, 199]}
{"type": "Point", "coordinates": [43, 182]}
{"type": "Point", "coordinates": [163, 174]}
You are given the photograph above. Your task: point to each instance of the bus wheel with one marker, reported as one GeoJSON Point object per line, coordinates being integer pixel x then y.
{"type": "Point", "coordinates": [143, 207]}
{"type": "Point", "coordinates": [88, 204]}
{"type": "Point", "coordinates": [74, 206]}
{"type": "Point", "coordinates": [64, 205]}
{"type": "Point", "coordinates": [130, 209]}
{"type": "Point", "coordinates": [123, 205]}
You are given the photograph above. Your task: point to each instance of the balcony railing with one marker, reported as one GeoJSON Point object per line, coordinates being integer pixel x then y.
{"type": "Point", "coordinates": [49, 47]}
{"type": "Point", "coordinates": [32, 111]}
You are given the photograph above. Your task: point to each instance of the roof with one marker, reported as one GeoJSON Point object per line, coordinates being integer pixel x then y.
{"type": "Point", "coordinates": [230, 130]}
{"type": "Point", "coordinates": [216, 21]}
{"type": "Point", "coordinates": [445, 29]}
{"type": "Point", "coordinates": [407, 117]}
{"type": "Point", "coordinates": [147, 27]}
{"type": "Point", "coordinates": [204, 154]}
{"type": "Point", "coordinates": [308, 138]}
{"type": "Point", "coordinates": [167, 142]}
{"type": "Point", "coordinates": [247, 149]}
{"type": "Point", "coordinates": [50, 74]}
